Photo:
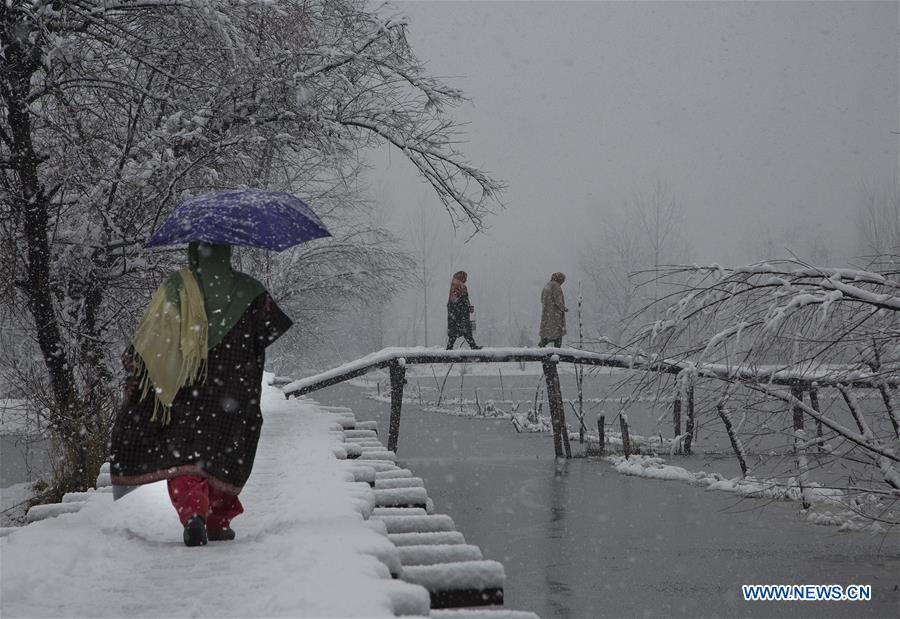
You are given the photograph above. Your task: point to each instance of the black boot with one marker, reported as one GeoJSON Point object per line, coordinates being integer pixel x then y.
{"type": "Point", "coordinates": [195, 532]}
{"type": "Point", "coordinates": [220, 535]}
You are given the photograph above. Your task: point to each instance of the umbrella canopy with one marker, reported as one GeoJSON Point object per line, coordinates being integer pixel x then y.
{"type": "Point", "coordinates": [249, 217]}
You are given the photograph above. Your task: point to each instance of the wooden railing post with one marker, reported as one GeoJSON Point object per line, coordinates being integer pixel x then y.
{"type": "Point", "coordinates": [676, 417]}
{"type": "Point", "coordinates": [797, 392]}
{"type": "Point", "coordinates": [397, 371]}
{"type": "Point", "coordinates": [626, 439]}
{"type": "Point", "coordinates": [557, 414]}
{"type": "Point", "coordinates": [601, 432]}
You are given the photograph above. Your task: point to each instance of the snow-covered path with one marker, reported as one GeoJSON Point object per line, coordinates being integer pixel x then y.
{"type": "Point", "coordinates": [303, 549]}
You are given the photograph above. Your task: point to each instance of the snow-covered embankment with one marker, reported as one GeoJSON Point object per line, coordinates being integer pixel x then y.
{"type": "Point", "coordinates": [303, 547]}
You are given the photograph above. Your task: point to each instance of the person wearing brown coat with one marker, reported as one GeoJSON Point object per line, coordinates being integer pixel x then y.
{"type": "Point", "coordinates": [553, 312]}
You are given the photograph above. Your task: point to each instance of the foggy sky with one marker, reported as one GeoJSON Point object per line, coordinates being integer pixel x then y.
{"type": "Point", "coordinates": [760, 117]}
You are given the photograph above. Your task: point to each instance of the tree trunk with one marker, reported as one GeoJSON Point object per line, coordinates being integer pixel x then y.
{"type": "Point", "coordinates": [20, 64]}
{"type": "Point", "coordinates": [800, 448]}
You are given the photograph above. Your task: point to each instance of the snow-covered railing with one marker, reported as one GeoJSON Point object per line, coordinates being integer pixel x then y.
{"type": "Point", "coordinates": [823, 376]}
{"type": "Point", "coordinates": [396, 360]}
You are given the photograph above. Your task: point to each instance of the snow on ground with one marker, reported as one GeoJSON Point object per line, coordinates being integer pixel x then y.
{"type": "Point", "coordinates": [14, 503]}
{"type": "Point", "coordinates": [823, 500]}
{"type": "Point", "coordinates": [300, 550]}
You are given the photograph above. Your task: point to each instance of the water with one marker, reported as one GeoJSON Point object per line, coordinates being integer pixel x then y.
{"type": "Point", "coordinates": [579, 540]}
{"type": "Point", "coordinates": [23, 458]}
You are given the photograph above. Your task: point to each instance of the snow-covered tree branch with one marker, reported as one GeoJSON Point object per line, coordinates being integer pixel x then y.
{"type": "Point", "coordinates": [829, 334]}
{"type": "Point", "coordinates": [110, 113]}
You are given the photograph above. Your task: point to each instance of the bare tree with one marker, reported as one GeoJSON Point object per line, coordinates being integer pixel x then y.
{"type": "Point", "coordinates": [791, 343]}
{"type": "Point", "coordinates": [645, 232]}
{"type": "Point", "coordinates": [426, 241]}
{"type": "Point", "coordinates": [110, 112]}
{"type": "Point", "coordinates": [878, 222]}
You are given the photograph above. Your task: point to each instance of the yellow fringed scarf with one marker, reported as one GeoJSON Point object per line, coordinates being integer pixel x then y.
{"type": "Point", "coordinates": [171, 343]}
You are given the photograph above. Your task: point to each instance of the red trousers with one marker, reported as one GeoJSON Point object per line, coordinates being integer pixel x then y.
{"type": "Point", "coordinates": [193, 496]}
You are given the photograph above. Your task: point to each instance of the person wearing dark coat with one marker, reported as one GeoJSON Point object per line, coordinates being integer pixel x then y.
{"type": "Point", "coordinates": [191, 412]}
{"type": "Point", "coordinates": [553, 312]}
{"type": "Point", "coordinates": [459, 312]}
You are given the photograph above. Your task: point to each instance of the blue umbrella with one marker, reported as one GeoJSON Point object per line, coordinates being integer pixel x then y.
{"type": "Point", "coordinates": [265, 219]}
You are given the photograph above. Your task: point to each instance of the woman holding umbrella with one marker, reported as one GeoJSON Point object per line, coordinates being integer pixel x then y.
{"type": "Point", "coordinates": [191, 413]}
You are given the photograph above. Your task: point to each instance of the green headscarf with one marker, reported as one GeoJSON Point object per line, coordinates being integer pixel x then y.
{"type": "Point", "coordinates": [226, 293]}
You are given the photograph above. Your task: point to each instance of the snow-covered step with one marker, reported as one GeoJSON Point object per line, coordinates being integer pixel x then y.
{"type": "Point", "coordinates": [347, 423]}
{"type": "Point", "coordinates": [362, 507]}
{"type": "Point", "coordinates": [344, 422]}
{"type": "Point", "coordinates": [362, 439]}
{"type": "Point", "coordinates": [399, 482]}
{"type": "Point", "coordinates": [378, 465]}
{"type": "Point", "coordinates": [361, 434]}
{"type": "Point", "coordinates": [363, 473]}
{"type": "Point", "coordinates": [339, 452]}
{"type": "Point", "coordinates": [363, 498]}
{"type": "Point", "coordinates": [385, 455]}
{"type": "Point", "coordinates": [399, 511]}
{"type": "Point", "coordinates": [419, 539]}
{"type": "Point", "coordinates": [406, 599]}
{"type": "Point", "coordinates": [418, 524]}
{"type": "Point", "coordinates": [365, 444]}
{"type": "Point", "coordinates": [481, 613]}
{"type": "Point", "coordinates": [400, 497]}
{"type": "Point", "coordinates": [432, 554]}
{"type": "Point", "coordinates": [52, 510]}
{"type": "Point", "coordinates": [465, 583]}
{"type": "Point", "coordinates": [361, 488]}
{"type": "Point", "coordinates": [393, 473]}
{"type": "Point", "coordinates": [382, 549]}
{"type": "Point", "coordinates": [347, 414]}
{"type": "Point", "coordinates": [353, 451]}
{"type": "Point", "coordinates": [367, 425]}
{"type": "Point", "coordinates": [378, 526]}
{"type": "Point", "coordinates": [422, 510]}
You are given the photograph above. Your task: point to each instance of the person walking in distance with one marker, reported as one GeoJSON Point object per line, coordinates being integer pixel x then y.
{"type": "Point", "coordinates": [459, 312]}
{"type": "Point", "coordinates": [553, 312]}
